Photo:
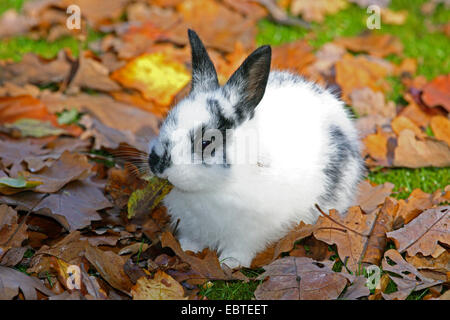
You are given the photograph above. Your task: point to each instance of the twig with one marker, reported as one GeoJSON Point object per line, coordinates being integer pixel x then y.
{"type": "Point", "coordinates": [338, 223]}
{"type": "Point", "coordinates": [280, 16]}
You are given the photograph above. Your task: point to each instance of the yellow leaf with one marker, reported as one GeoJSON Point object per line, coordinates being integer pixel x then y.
{"type": "Point", "coordinates": [155, 75]}
{"type": "Point", "coordinates": [161, 287]}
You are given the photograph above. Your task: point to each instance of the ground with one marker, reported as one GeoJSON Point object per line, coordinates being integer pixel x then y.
{"type": "Point", "coordinates": [418, 43]}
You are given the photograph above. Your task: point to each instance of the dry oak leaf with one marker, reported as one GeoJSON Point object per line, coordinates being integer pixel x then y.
{"type": "Point", "coordinates": [371, 196]}
{"type": "Point", "coordinates": [417, 202]}
{"type": "Point", "coordinates": [423, 233]}
{"type": "Point", "coordinates": [414, 153]}
{"type": "Point", "coordinates": [380, 147]}
{"type": "Point", "coordinates": [401, 123]}
{"type": "Point", "coordinates": [369, 124]}
{"type": "Point", "coordinates": [293, 278]}
{"type": "Point", "coordinates": [12, 280]}
{"type": "Point", "coordinates": [207, 267]}
{"type": "Point", "coordinates": [91, 74]}
{"type": "Point", "coordinates": [24, 106]}
{"type": "Point", "coordinates": [218, 26]}
{"type": "Point", "coordinates": [74, 206]}
{"type": "Point", "coordinates": [10, 235]}
{"type": "Point", "coordinates": [365, 101]}
{"type": "Point", "coordinates": [439, 264]}
{"type": "Point", "coordinates": [417, 114]}
{"type": "Point", "coordinates": [316, 10]}
{"type": "Point", "coordinates": [373, 44]}
{"type": "Point", "coordinates": [110, 266]}
{"type": "Point", "coordinates": [441, 128]}
{"type": "Point", "coordinates": [295, 56]}
{"type": "Point", "coordinates": [285, 244]}
{"type": "Point", "coordinates": [410, 278]}
{"type": "Point", "coordinates": [354, 234]}
{"type": "Point", "coordinates": [33, 69]}
{"type": "Point", "coordinates": [70, 167]}
{"type": "Point", "coordinates": [110, 112]}
{"type": "Point", "coordinates": [161, 287]}
{"type": "Point", "coordinates": [437, 92]}
{"type": "Point", "coordinates": [155, 75]}
{"type": "Point", "coordinates": [69, 249]}
{"type": "Point", "coordinates": [355, 72]}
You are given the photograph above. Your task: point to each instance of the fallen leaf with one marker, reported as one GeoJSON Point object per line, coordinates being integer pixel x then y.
{"type": "Point", "coordinates": [409, 279]}
{"type": "Point", "coordinates": [161, 287]}
{"type": "Point", "coordinates": [354, 234]}
{"type": "Point", "coordinates": [110, 267]}
{"type": "Point", "coordinates": [441, 128]}
{"type": "Point", "coordinates": [422, 234]}
{"type": "Point", "coordinates": [414, 153]}
{"type": "Point", "coordinates": [69, 167]}
{"type": "Point", "coordinates": [356, 72]}
{"type": "Point", "coordinates": [145, 72]}
{"type": "Point", "coordinates": [294, 56]}
{"type": "Point", "coordinates": [207, 267]}
{"type": "Point", "coordinates": [371, 196]}
{"type": "Point", "coordinates": [439, 264]}
{"type": "Point", "coordinates": [145, 200]}
{"type": "Point", "coordinates": [10, 186]}
{"type": "Point", "coordinates": [25, 127]}
{"type": "Point", "coordinates": [301, 278]}
{"type": "Point", "coordinates": [437, 92]}
{"type": "Point", "coordinates": [316, 10]}
{"type": "Point", "coordinates": [11, 236]}
{"type": "Point", "coordinates": [13, 280]}
{"type": "Point", "coordinates": [358, 289]}
{"type": "Point", "coordinates": [374, 44]}
{"type": "Point", "coordinates": [365, 101]}
{"type": "Point", "coordinates": [401, 123]}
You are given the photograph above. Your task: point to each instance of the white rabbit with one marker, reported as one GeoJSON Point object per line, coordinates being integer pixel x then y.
{"type": "Point", "coordinates": [307, 152]}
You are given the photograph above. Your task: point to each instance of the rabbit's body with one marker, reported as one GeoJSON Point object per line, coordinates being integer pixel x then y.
{"type": "Point", "coordinates": [308, 153]}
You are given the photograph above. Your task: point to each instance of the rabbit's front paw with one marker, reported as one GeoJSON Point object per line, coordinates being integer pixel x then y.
{"type": "Point", "coordinates": [235, 259]}
{"type": "Point", "coordinates": [187, 244]}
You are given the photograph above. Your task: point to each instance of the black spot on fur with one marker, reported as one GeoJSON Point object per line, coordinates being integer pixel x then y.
{"type": "Point", "coordinates": [159, 163]}
{"type": "Point", "coordinates": [334, 168]}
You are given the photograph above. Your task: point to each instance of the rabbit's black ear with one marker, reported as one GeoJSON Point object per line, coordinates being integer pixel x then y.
{"type": "Point", "coordinates": [250, 81]}
{"type": "Point", "coordinates": [204, 76]}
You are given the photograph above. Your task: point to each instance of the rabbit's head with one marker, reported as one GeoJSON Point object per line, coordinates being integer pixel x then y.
{"type": "Point", "coordinates": [195, 142]}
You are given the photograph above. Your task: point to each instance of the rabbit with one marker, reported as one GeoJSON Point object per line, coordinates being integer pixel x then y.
{"type": "Point", "coordinates": [308, 153]}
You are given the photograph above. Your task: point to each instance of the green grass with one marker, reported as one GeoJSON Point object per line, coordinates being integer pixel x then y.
{"type": "Point", "coordinates": [230, 290]}
{"type": "Point", "coordinates": [406, 180]}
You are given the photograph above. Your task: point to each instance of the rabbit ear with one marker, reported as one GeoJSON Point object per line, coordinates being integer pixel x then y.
{"type": "Point", "coordinates": [250, 81]}
{"type": "Point", "coordinates": [204, 76]}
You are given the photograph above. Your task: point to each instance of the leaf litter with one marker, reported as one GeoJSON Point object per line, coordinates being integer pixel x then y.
{"type": "Point", "coordinates": [65, 194]}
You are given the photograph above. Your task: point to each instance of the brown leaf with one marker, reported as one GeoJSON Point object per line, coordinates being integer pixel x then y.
{"type": "Point", "coordinates": [365, 101]}
{"type": "Point", "coordinates": [357, 289]}
{"type": "Point", "coordinates": [353, 72]}
{"type": "Point", "coordinates": [437, 92]}
{"type": "Point", "coordinates": [423, 233]}
{"type": "Point", "coordinates": [401, 123]}
{"type": "Point", "coordinates": [301, 278]}
{"type": "Point", "coordinates": [356, 235]}
{"type": "Point", "coordinates": [414, 153]}
{"type": "Point", "coordinates": [374, 44]}
{"type": "Point", "coordinates": [91, 74]}
{"type": "Point", "coordinates": [110, 267]}
{"type": "Point", "coordinates": [70, 167]}
{"type": "Point", "coordinates": [10, 235]}
{"type": "Point", "coordinates": [207, 267]}
{"type": "Point", "coordinates": [295, 56]}
{"type": "Point", "coordinates": [409, 279]}
{"type": "Point", "coordinates": [370, 196]}
{"type": "Point", "coordinates": [33, 69]}
{"type": "Point", "coordinates": [316, 10]}
{"type": "Point", "coordinates": [439, 264]}
{"type": "Point", "coordinates": [161, 287]}
{"type": "Point", "coordinates": [13, 280]}
{"type": "Point", "coordinates": [441, 128]}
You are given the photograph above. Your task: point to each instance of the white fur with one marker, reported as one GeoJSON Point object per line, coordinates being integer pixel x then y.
{"type": "Point", "coordinates": [242, 209]}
